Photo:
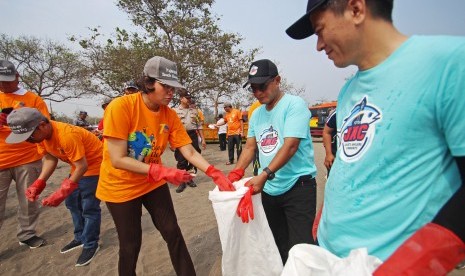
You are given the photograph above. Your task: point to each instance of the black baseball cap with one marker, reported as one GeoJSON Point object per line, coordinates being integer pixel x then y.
{"type": "Point", "coordinates": [261, 71]}
{"type": "Point", "coordinates": [303, 28]}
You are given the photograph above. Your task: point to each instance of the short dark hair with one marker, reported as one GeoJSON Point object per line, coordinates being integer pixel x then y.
{"type": "Point", "coordinates": [378, 8]}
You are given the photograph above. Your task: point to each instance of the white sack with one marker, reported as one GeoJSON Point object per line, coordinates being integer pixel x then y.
{"type": "Point", "coordinates": [248, 248]}
{"type": "Point", "coordinates": [307, 259]}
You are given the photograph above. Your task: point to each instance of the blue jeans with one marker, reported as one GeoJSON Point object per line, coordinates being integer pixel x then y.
{"type": "Point", "coordinates": [85, 211]}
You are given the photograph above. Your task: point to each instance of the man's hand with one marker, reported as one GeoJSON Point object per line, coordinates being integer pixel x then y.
{"type": "Point", "coordinates": [66, 188]}
{"type": "Point", "coordinates": [33, 192]}
{"type": "Point", "coordinates": [257, 182]}
{"type": "Point", "coordinates": [329, 159]}
{"type": "Point", "coordinates": [158, 172]}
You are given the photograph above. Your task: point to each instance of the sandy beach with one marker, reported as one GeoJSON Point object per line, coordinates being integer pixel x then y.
{"type": "Point", "coordinates": [193, 209]}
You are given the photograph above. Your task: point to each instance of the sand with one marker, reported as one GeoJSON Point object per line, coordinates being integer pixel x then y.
{"type": "Point", "coordinates": [195, 217]}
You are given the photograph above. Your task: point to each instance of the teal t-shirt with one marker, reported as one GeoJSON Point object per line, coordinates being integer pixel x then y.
{"type": "Point", "coordinates": [289, 118]}
{"type": "Point", "coordinates": [400, 124]}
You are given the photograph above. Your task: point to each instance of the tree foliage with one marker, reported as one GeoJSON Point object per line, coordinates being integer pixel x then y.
{"type": "Point", "coordinates": [210, 62]}
{"type": "Point", "coordinates": [48, 68]}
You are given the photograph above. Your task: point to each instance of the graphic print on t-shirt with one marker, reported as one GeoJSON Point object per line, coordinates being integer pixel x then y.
{"type": "Point", "coordinates": [268, 141]}
{"type": "Point", "coordinates": [358, 130]}
{"type": "Point", "coordinates": [139, 145]}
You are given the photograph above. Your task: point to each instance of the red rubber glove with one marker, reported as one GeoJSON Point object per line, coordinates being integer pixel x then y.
{"type": "Point", "coordinates": [174, 176]}
{"type": "Point", "coordinates": [236, 174]}
{"type": "Point", "coordinates": [245, 206]}
{"type": "Point", "coordinates": [3, 119]}
{"type": "Point", "coordinates": [223, 183]}
{"type": "Point", "coordinates": [33, 192]}
{"type": "Point", "coordinates": [66, 188]}
{"type": "Point", "coordinates": [432, 250]}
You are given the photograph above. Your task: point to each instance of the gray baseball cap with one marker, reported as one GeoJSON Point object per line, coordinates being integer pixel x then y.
{"type": "Point", "coordinates": [22, 122]}
{"type": "Point", "coordinates": [7, 71]}
{"type": "Point", "coordinates": [163, 70]}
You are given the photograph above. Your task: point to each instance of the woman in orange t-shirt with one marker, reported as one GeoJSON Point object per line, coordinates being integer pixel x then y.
{"type": "Point", "coordinates": [137, 129]}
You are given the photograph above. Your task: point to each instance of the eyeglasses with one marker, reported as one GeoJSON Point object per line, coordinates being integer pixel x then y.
{"type": "Point", "coordinates": [260, 87]}
{"type": "Point", "coordinates": [151, 80]}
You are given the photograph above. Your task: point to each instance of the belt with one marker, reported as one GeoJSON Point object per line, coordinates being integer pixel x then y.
{"type": "Point", "coordinates": [305, 177]}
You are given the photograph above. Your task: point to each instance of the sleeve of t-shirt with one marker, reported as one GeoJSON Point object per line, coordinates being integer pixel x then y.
{"type": "Point", "coordinates": [117, 119]}
{"type": "Point", "coordinates": [73, 146]}
{"type": "Point", "coordinates": [41, 149]}
{"type": "Point", "coordinates": [42, 107]}
{"type": "Point", "coordinates": [297, 118]}
{"type": "Point", "coordinates": [331, 121]}
{"type": "Point", "coordinates": [251, 129]}
{"type": "Point", "coordinates": [178, 135]}
{"type": "Point", "coordinates": [239, 114]}
{"type": "Point", "coordinates": [452, 99]}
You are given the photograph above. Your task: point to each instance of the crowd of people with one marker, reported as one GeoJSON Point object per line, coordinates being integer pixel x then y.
{"type": "Point", "coordinates": [403, 202]}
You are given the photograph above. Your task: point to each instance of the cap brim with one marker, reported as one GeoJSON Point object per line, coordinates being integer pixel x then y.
{"type": "Point", "coordinates": [257, 80]}
{"type": "Point", "coordinates": [14, 138]}
{"type": "Point", "coordinates": [172, 83]}
{"type": "Point", "coordinates": [303, 28]}
{"type": "Point", "coordinates": [7, 78]}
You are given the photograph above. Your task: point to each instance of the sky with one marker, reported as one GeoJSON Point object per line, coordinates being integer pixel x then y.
{"type": "Point", "coordinates": [262, 24]}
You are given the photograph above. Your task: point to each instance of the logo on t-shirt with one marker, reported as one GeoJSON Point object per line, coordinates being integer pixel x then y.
{"type": "Point", "coordinates": [358, 130]}
{"type": "Point", "coordinates": [268, 141]}
{"type": "Point", "coordinates": [139, 145]}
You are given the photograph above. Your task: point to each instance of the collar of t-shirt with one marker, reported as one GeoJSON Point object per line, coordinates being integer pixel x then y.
{"type": "Point", "coordinates": [20, 92]}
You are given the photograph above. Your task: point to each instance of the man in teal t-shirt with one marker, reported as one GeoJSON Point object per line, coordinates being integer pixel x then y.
{"type": "Point", "coordinates": [279, 129]}
{"type": "Point", "coordinates": [396, 186]}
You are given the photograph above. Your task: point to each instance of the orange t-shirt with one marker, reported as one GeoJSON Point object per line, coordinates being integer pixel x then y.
{"type": "Point", "coordinates": [12, 155]}
{"type": "Point", "coordinates": [71, 143]}
{"type": "Point", "coordinates": [252, 109]}
{"type": "Point", "coordinates": [147, 133]}
{"type": "Point", "coordinates": [233, 119]}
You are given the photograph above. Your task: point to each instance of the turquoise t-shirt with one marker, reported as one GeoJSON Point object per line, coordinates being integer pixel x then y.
{"type": "Point", "coordinates": [289, 118]}
{"type": "Point", "coordinates": [400, 124]}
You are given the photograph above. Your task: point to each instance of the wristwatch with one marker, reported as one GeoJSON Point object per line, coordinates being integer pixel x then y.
{"type": "Point", "coordinates": [269, 173]}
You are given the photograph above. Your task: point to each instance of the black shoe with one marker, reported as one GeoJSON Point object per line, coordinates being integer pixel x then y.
{"type": "Point", "coordinates": [181, 188]}
{"type": "Point", "coordinates": [87, 255]}
{"type": "Point", "coordinates": [71, 246]}
{"type": "Point", "coordinates": [33, 242]}
{"type": "Point", "coordinates": [191, 184]}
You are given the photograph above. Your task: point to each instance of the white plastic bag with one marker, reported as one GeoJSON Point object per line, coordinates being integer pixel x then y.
{"type": "Point", "coordinates": [307, 259]}
{"type": "Point", "coordinates": [248, 248]}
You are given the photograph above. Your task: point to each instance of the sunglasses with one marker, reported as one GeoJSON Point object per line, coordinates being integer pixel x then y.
{"type": "Point", "coordinates": [260, 87]}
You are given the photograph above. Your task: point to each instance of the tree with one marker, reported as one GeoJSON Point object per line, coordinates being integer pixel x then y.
{"type": "Point", "coordinates": [210, 63]}
{"type": "Point", "coordinates": [113, 62]}
{"type": "Point", "coordinates": [48, 68]}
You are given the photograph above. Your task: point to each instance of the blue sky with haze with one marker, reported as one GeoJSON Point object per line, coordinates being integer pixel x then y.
{"type": "Point", "coordinates": [261, 23]}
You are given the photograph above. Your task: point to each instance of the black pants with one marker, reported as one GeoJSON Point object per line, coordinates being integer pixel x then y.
{"type": "Point", "coordinates": [234, 140]}
{"type": "Point", "coordinates": [291, 215]}
{"type": "Point", "coordinates": [222, 139]}
{"type": "Point", "coordinates": [127, 218]}
{"type": "Point", "coordinates": [183, 164]}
